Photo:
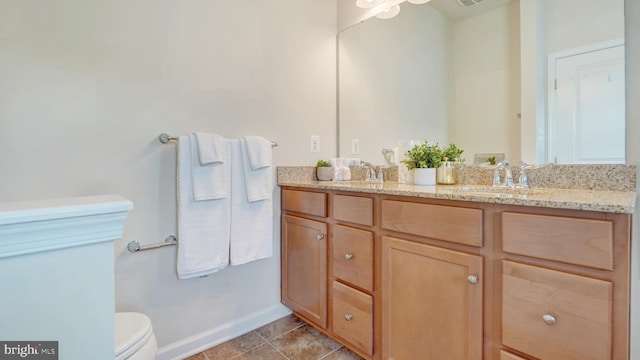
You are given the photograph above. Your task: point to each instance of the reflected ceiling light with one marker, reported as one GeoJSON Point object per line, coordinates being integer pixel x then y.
{"type": "Point", "coordinates": [389, 12]}
{"type": "Point", "coordinates": [418, 1]}
{"type": "Point", "coordinates": [368, 3]}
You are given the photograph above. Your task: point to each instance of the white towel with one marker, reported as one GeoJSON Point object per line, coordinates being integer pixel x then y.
{"type": "Point", "coordinates": [210, 148]}
{"type": "Point", "coordinates": [259, 182]}
{"type": "Point", "coordinates": [203, 226]}
{"type": "Point", "coordinates": [341, 170]}
{"type": "Point", "coordinates": [210, 177]}
{"type": "Point", "coordinates": [251, 222]}
{"type": "Point", "coordinates": [259, 151]}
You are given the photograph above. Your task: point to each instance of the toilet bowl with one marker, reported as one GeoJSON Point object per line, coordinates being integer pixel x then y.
{"type": "Point", "coordinates": [134, 337]}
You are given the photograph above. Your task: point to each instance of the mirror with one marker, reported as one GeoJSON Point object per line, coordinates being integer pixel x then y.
{"type": "Point", "coordinates": [478, 76]}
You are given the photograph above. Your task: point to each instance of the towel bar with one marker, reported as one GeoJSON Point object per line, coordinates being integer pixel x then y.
{"type": "Point", "coordinates": [166, 138]}
{"type": "Point", "coordinates": [134, 246]}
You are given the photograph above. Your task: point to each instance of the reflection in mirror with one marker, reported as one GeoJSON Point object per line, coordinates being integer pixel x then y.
{"type": "Point", "coordinates": [477, 77]}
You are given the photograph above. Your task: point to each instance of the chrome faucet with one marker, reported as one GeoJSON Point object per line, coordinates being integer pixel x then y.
{"type": "Point", "coordinates": [523, 180]}
{"type": "Point", "coordinates": [371, 172]}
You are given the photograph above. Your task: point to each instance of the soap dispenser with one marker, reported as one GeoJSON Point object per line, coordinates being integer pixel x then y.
{"type": "Point", "coordinates": [446, 173]}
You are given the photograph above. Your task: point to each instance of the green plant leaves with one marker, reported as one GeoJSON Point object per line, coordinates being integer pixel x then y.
{"type": "Point", "coordinates": [430, 155]}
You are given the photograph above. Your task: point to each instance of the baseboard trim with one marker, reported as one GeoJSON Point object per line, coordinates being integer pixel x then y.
{"type": "Point", "coordinates": [199, 342]}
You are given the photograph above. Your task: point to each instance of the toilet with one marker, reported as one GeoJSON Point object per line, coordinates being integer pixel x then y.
{"type": "Point", "coordinates": [135, 339]}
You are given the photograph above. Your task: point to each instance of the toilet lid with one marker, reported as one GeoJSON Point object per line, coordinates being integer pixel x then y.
{"type": "Point", "coordinates": [132, 331]}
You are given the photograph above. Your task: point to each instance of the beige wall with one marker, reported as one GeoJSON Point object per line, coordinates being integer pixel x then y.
{"type": "Point", "coordinates": [395, 81]}
{"type": "Point", "coordinates": [87, 86]}
{"type": "Point", "coordinates": [487, 83]}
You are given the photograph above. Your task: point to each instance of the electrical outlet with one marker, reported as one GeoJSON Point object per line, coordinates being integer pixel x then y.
{"type": "Point", "coordinates": [355, 146]}
{"type": "Point", "coordinates": [315, 143]}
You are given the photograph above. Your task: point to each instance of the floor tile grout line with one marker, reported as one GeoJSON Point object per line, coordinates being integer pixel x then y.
{"type": "Point", "coordinates": [286, 332]}
{"type": "Point", "coordinates": [330, 352]}
{"type": "Point", "coordinates": [278, 350]}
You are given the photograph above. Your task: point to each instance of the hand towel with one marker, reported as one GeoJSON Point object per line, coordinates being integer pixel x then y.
{"type": "Point", "coordinates": [341, 169]}
{"type": "Point", "coordinates": [251, 222]}
{"type": "Point", "coordinates": [210, 177]}
{"type": "Point", "coordinates": [259, 151]}
{"type": "Point", "coordinates": [259, 182]}
{"type": "Point", "coordinates": [210, 148]}
{"type": "Point", "coordinates": [203, 226]}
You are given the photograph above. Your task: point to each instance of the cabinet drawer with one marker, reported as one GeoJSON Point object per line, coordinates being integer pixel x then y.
{"type": "Point", "coordinates": [353, 256]}
{"type": "Point", "coordinates": [586, 242]}
{"type": "Point", "coordinates": [449, 223]}
{"type": "Point", "coordinates": [550, 314]}
{"type": "Point", "coordinates": [306, 202]}
{"type": "Point", "coordinates": [355, 209]}
{"type": "Point", "coordinates": [353, 316]}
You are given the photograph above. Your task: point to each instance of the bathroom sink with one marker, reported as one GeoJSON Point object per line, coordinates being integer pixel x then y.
{"type": "Point", "coordinates": [495, 191]}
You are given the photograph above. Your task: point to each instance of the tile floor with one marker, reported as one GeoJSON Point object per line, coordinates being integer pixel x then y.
{"type": "Point", "coordinates": [286, 339]}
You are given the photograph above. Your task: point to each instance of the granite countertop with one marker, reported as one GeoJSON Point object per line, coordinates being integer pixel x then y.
{"type": "Point", "coordinates": [575, 199]}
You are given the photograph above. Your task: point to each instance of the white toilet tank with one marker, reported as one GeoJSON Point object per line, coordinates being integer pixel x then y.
{"type": "Point", "coordinates": [135, 339]}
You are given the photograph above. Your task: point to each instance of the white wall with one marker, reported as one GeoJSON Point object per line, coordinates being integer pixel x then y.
{"type": "Point", "coordinates": [395, 81]}
{"type": "Point", "coordinates": [87, 86]}
{"type": "Point", "coordinates": [487, 83]}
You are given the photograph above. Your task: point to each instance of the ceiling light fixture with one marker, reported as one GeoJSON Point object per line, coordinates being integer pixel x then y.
{"type": "Point", "coordinates": [368, 3]}
{"type": "Point", "coordinates": [418, 1]}
{"type": "Point", "coordinates": [389, 12]}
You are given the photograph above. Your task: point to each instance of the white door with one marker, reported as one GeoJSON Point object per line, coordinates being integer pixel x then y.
{"type": "Point", "coordinates": [587, 106]}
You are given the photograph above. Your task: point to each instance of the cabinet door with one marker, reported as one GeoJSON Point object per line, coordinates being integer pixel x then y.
{"type": "Point", "coordinates": [304, 268]}
{"type": "Point", "coordinates": [431, 302]}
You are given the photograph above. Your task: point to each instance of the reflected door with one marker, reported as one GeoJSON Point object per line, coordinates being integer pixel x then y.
{"type": "Point", "coordinates": [587, 106]}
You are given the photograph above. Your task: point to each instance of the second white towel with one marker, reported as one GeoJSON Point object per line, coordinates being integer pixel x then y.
{"type": "Point", "coordinates": [251, 222]}
{"type": "Point", "coordinates": [258, 181]}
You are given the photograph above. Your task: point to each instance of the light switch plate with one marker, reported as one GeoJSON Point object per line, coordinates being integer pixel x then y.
{"type": "Point", "coordinates": [355, 146]}
{"type": "Point", "coordinates": [315, 143]}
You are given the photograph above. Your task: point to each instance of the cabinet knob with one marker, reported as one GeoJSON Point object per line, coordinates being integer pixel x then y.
{"type": "Point", "coordinates": [348, 317]}
{"type": "Point", "coordinates": [549, 319]}
{"type": "Point", "coordinates": [348, 256]}
{"type": "Point", "coordinates": [472, 279]}
{"type": "Point", "coordinates": [320, 236]}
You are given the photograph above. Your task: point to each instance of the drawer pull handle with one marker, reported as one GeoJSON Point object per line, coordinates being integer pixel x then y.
{"type": "Point", "coordinates": [348, 256]}
{"type": "Point", "coordinates": [472, 279]}
{"type": "Point", "coordinates": [320, 236]}
{"type": "Point", "coordinates": [348, 317]}
{"type": "Point", "coordinates": [549, 319]}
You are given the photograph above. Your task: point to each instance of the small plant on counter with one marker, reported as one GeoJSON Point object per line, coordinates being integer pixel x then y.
{"type": "Point", "coordinates": [423, 156]}
{"type": "Point", "coordinates": [324, 170]}
{"type": "Point", "coordinates": [452, 152]}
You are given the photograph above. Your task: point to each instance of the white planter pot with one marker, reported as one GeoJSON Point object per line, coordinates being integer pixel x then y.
{"type": "Point", "coordinates": [324, 173]}
{"type": "Point", "coordinates": [424, 176]}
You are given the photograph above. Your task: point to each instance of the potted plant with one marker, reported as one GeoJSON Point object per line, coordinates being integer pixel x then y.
{"type": "Point", "coordinates": [452, 152]}
{"type": "Point", "coordinates": [423, 159]}
{"type": "Point", "coordinates": [324, 171]}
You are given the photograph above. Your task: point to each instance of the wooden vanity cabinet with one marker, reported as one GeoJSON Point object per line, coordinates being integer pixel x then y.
{"type": "Point", "coordinates": [396, 277]}
{"type": "Point", "coordinates": [304, 255]}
